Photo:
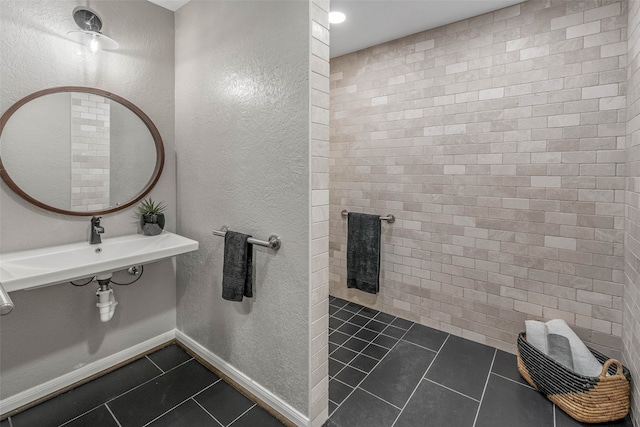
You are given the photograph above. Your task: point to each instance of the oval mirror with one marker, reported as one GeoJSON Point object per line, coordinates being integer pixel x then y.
{"type": "Point", "coordinates": [79, 151]}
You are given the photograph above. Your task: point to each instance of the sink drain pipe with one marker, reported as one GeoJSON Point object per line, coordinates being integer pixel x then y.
{"type": "Point", "coordinates": [106, 300]}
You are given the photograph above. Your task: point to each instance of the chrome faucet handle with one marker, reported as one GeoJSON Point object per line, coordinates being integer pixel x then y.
{"type": "Point", "coordinates": [96, 231]}
{"type": "Point", "coordinates": [95, 222]}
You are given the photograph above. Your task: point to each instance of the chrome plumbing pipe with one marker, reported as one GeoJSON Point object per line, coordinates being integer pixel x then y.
{"type": "Point", "coordinates": [6, 305]}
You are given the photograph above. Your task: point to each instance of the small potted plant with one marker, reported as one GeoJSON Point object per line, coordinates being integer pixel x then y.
{"type": "Point", "coordinates": [151, 217]}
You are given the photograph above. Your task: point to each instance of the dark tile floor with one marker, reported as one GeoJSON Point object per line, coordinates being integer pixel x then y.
{"type": "Point", "coordinates": [165, 388]}
{"type": "Point", "coordinates": [385, 371]}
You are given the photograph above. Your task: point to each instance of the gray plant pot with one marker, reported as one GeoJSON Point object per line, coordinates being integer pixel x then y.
{"type": "Point", "coordinates": [152, 225]}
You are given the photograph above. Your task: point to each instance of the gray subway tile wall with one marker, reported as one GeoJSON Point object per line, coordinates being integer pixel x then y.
{"type": "Point", "coordinates": [498, 144]}
{"type": "Point", "coordinates": [631, 310]}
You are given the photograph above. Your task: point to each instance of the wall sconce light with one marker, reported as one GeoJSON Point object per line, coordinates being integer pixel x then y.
{"type": "Point", "coordinates": [89, 34]}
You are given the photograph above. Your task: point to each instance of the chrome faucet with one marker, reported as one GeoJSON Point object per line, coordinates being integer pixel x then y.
{"type": "Point", "coordinates": [96, 230]}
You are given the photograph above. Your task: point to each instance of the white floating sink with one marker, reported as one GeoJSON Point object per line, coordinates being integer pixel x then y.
{"type": "Point", "coordinates": [57, 264]}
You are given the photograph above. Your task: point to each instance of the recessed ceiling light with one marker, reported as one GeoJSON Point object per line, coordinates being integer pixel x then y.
{"type": "Point", "coordinates": [336, 17]}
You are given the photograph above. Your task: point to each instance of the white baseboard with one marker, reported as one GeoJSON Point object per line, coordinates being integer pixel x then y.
{"type": "Point", "coordinates": [244, 381]}
{"type": "Point", "coordinates": [56, 384]}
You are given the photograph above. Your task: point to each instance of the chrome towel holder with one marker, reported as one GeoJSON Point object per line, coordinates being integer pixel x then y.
{"type": "Point", "coordinates": [274, 241]}
{"type": "Point", "coordinates": [389, 218]}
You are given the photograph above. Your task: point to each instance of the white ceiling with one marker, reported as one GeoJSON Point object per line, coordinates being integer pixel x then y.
{"type": "Point", "coordinates": [371, 22]}
{"type": "Point", "coordinates": [170, 4]}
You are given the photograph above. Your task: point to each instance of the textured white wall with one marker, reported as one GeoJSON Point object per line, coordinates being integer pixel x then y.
{"type": "Point", "coordinates": [55, 330]}
{"type": "Point", "coordinates": [242, 141]}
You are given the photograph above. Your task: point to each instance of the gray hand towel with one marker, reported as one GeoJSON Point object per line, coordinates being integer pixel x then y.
{"type": "Point", "coordinates": [363, 252]}
{"type": "Point", "coordinates": [237, 270]}
{"type": "Point", "coordinates": [560, 350]}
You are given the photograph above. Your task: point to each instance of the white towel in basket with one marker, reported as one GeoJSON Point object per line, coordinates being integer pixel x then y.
{"type": "Point", "coordinates": [537, 335]}
{"type": "Point", "coordinates": [584, 363]}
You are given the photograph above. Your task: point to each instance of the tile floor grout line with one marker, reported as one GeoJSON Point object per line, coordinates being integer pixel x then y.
{"type": "Point", "coordinates": [420, 380]}
{"type": "Point", "coordinates": [514, 381]}
{"type": "Point", "coordinates": [113, 415]}
{"type": "Point", "coordinates": [81, 415]}
{"type": "Point", "coordinates": [423, 347]}
{"type": "Point", "coordinates": [450, 389]}
{"type": "Point", "coordinates": [347, 363]}
{"type": "Point", "coordinates": [352, 367]}
{"type": "Point", "coordinates": [341, 369]}
{"type": "Point", "coordinates": [379, 398]}
{"type": "Point", "coordinates": [401, 338]}
{"type": "Point", "coordinates": [358, 352]}
{"type": "Point", "coordinates": [379, 361]}
{"type": "Point", "coordinates": [207, 387]}
{"type": "Point", "coordinates": [353, 337]}
{"type": "Point", "coordinates": [364, 326]}
{"type": "Point", "coordinates": [369, 320]}
{"type": "Point", "coordinates": [370, 342]}
{"type": "Point", "coordinates": [154, 364]}
{"type": "Point", "coordinates": [125, 392]}
{"type": "Point", "coordinates": [242, 414]}
{"type": "Point", "coordinates": [342, 382]}
{"type": "Point", "coordinates": [346, 311]}
{"type": "Point", "coordinates": [475, 420]}
{"type": "Point", "coordinates": [165, 412]}
{"type": "Point", "coordinates": [205, 410]}
{"type": "Point", "coordinates": [146, 382]}
{"type": "Point", "coordinates": [175, 406]}
{"type": "Point", "coordinates": [437, 354]}
{"type": "Point", "coordinates": [354, 312]}
{"type": "Point", "coordinates": [190, 397]}
{"type": "Point", "coordinates": [365, 377]}
{"type": "Point", "coordinates": [346, 302]}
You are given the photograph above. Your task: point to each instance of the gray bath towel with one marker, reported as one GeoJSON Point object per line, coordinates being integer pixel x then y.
{"type": "Point", "coordinates": [237, 270]}
{"type": "Point", "coordinates": [363, 252]}
{"type": "Point", "coordinates": [560, 350]}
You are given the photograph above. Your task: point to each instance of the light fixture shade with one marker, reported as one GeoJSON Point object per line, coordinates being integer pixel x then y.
{"type": "Point", "coordinates": [85, 37]}
{"type": "Point", "coordinates": [89, 34]}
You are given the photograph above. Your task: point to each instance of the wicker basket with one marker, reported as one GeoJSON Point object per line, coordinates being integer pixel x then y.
{"type": "Point", "coordinates": [586, 399]}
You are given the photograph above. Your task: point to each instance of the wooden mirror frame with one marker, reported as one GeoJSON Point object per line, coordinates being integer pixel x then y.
{"type": "Point", "coordinates": [157, 139]}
